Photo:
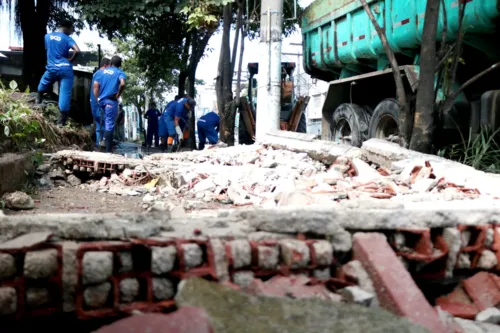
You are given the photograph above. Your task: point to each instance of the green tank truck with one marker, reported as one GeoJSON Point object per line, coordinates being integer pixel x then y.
{"type": "Point", "coordinates": [342, 47]}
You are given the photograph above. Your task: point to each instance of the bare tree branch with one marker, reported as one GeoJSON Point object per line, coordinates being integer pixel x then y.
{"type": "Point", "coordinates": [451, 99]}
{"type": "Point", "coordinates": [239, 19]}
{"type": "Point", "coordinates": [405, 117]}
{"type": "Point", "coordinates": [458, 48]}
{"type": "Point", "coordinates": [444, 33]}
{"type": "Point", "coordinates": [240, 64]}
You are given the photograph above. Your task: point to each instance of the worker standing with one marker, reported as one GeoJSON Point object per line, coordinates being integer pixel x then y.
{"type": "Point", "coordinates": [59, 67]}
{"type": "Point", "coordinates": [152, 115]}
{"type": "Point", "coordinates": [176, 117]}
{"type": "Point", "coordinates": [97, 112]}
{"type": "Point", "coordinates": [108, 90]}
{"type": "Point", "coordinates": [120, 124]}
{"type": "Point", "coordinates": [162, 125]}
{"type": "Point", "coordinates": [208, 128]}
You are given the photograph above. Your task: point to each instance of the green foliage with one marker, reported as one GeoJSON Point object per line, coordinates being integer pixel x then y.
{"type": "Point", "coordinates": [16, 118]}
{"type": "Point", "coordinates": [120, 17]}
{"type": "Point", "coordinates": [205, 12]}
{"type": "Point", "coordinates": [481, 152]}
{"type": "Point", "coordinates": [23, 128]}
{"type": "Point", "coordinates": [139, 83]}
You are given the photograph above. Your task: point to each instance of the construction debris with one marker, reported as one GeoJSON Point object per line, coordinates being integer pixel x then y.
{"type": "Point", "coordinates": [274, 220]}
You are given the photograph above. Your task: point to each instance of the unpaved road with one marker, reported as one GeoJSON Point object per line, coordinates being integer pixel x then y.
{"type": "Point", "coordinates": [76, 200]}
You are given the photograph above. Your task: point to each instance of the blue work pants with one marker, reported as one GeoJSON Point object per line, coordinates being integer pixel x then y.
{"type": "Point", "coordinates": [110, 107]}
{"type": "Point", "coordinates": [64, 75]}
{"type": "Point", "coordinates": [206, 132]}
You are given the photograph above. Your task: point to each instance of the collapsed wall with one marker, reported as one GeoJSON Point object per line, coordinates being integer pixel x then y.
{"type": "Point", "coordinates": [106, 265]}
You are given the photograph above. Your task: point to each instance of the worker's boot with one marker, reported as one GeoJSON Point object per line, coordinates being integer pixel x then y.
{"type": "Point", "coordinates": [39, 98]}
{"type": "Point", "coordinates": [63, 119]}
{"type": "Point", "coordinates": [170, 148]}
{"type": "Point", "coordinates": [108, 141]}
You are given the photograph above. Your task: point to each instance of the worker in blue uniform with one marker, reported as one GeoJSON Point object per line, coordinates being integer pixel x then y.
{"type": "Point", "coordinates": [152, 115]}
{"type": "Point", "coordinates": [108, 89]}
{"type": "Point", "coordinates": [59, 67]}
{"type": "Point", "coordinates": [208, 128]}
{"type": "Point", "coordinates": [162, 125]}
{"type": "Point", "coordinates": [176, 99]}
{"type": "Point", "coordinates": [97, 112]}
{"type": "Point", "coordinates": [176, 117]}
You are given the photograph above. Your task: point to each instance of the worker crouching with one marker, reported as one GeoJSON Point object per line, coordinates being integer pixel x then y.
{"type": "Point", "coordinates": [176, 118]}
{"type": "Point", "coordinates": [208, 128]}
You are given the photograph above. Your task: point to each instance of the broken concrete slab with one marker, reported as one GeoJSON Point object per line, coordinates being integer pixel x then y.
{"type": "Point", "coordinates": [357, 295]}
{"type": "Point", "coordinates": [18, 201]}
{"type": "Point", "coordinates": [14, 171]}
{"type": "Point", "coordinates": [302, 315]}
{"type": "Point", "coordinates": [185, 320]}
{"type": "Point", "coordinates": [26, 241]}
{"type": "Point", "coordinates": [325, 151]}
{"type": "Point", "coordinates": [84, 226]}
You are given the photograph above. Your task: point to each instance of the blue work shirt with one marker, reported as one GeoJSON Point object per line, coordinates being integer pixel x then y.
{"type": "Point", "coordinates": [95, 77]}
{"type": "Point", "coordinates": [211, 120]}
{"type": "Point", "coordinates": [58, 45]}
{"type": "Point", "coordinates": [177, 110]}
{"type": "Point", "coordinates": [152, 115]}
{"type": "Point", "coordinates": [169, 104]}
{"type": "Point", "coordinates": [109, 82]}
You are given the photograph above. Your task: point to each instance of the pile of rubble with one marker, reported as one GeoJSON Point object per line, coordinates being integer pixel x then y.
{"type": "Point", "coordinates": [343, 225]}
{"type": "Point", "coordinates": [262, 176]}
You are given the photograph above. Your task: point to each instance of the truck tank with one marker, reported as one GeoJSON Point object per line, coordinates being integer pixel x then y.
{"type": "Point", "coordinates": [341, 46]}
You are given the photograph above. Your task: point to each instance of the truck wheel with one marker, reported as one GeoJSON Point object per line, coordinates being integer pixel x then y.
{"type": "Point", "coordinates": [302, 128]}
{"type": "Point", "coordinates": [350, 124]}
{"type": "Point", "coordinates": [384, 122]}
{"type": "Point", "coordinates": [243, 136]}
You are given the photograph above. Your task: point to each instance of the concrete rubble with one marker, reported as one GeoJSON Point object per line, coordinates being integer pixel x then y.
{"type": "Point", "coordinates": [275, 219]}
{"type": "Point", "coordinates": [275, 174]}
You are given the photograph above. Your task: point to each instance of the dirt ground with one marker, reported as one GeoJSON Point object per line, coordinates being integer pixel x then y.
{"type": "Point", "coordinates": [76, 200]}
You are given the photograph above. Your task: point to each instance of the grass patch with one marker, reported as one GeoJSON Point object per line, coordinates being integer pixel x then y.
{"type": "Point", "coordinates": [481, 152]}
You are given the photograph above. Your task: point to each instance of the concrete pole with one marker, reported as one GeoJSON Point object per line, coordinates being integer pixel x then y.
{"type": "Point", "coordinates": [269, 81]}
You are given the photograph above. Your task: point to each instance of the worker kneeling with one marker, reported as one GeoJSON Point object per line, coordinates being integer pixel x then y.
{"type": "Point", "coordinates": [176, 118]}
{"type": "Point", "coordinates": [208, 128]}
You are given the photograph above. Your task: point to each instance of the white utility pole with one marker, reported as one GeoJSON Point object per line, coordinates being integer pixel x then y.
{"type": "Point", "coordinates": [269, 82]}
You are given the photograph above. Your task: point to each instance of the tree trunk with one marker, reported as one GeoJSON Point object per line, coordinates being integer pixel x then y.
{"type": "Point", "coordinates": [141, 124]}
{"type": "Point", "coordinates": [191, 142]}
{"type": "Point", "coordinates": [240, 64]}
{"type": "Point", "coordinates": [423, 127]}
{"type": "Point", "coordinates": [181, 88]}
{"type": "Point", "coordinates": [33, 22]}
{"type": "Point", "coordinates": [239, 19]}
{"type": "Point", "coordinates": [225, 103]}
{"type": "Point", "coordinates": [405, 117]}
{"type": "Point", "coordinates": [184, 66]}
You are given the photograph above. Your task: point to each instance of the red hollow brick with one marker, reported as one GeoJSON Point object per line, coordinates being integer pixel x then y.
{"type": "Point", "coordinates": [396, 290]}
{"type": "Point", "coordinates": [484, 289]}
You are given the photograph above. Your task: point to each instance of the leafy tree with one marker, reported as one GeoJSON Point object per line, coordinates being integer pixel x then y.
{"type": "Point", "coordinates": [141, 88]}
{"type": "Point", "coordinates": [167, 48]}
{"type": "Point", "coordinates": [31, 19]}
{"type": "Point", "coordinates": [243, 15]}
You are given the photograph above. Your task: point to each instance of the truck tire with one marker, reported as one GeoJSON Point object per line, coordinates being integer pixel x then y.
{"type": "Point", "coordinates": [350, 120]}
{"type": "Point", "coordinates": [302, 128]}
{"type": "Point", "coordinates": [384, 122]}
{"type": "Point", "coordinates": [243, 136]}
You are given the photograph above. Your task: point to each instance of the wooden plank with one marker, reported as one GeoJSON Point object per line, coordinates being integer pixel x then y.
{"type": "Point", "coordinates": [297, 111]}
{"type": "Point", "coordinates": [247, 117]}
